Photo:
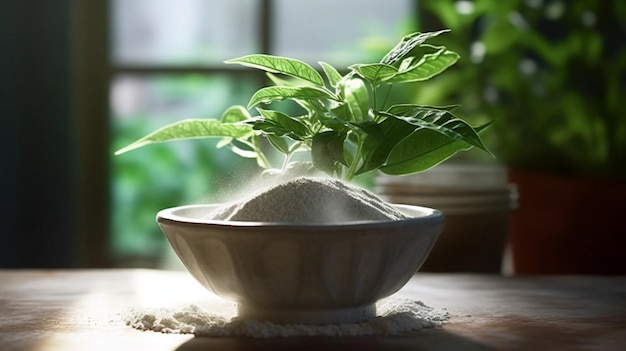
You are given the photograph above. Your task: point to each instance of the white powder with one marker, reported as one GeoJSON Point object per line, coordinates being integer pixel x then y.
{"type": "Point", "coordinates": [395, 317]}
{"type": "Point", "coordinates": [310, 200]}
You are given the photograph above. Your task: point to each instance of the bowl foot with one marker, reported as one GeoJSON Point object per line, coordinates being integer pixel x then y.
{"type": "Point", "coordinates": [308, 316]}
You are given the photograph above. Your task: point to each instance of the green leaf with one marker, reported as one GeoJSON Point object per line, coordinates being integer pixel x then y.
{"type": "Point", "coordinates": [276, 64]}
{"type": "Point", "coordinates": [357, 99]}
{"type": "Point", "coordinates": [334, 77]}
{"type": "Point", "coordinates": [422, 150]}
{"type": "Point", "coordinates": [269, 127]}
{"type": "Point", "coordinates": [282, 81]}
{"type": "Point", "coordinates": [233, 114]}
{"type": "Point", "coordinates": [440, 120]}
{"type": "Point", "coordinates": [401, 145]}
{"type": "Point", "coordinates": [429, 66]}
{"type": "Point", "coordinates": [338, 119]}
{"type": "Point", "coordinates": [236, 113]}
{"type": "Point", "coordinates": [416, 54]}
{"type": "Point", "coordinates": [268, 94]}
{"type": "Point", "coordinates": [409, 109]}
{"type": "Point", "coordinates": [279, 143]}
{"type": "Point", "coordinates": [374, 72]}
{"type": "Point", "coordinates": [407, 44]}
{"type": "Point", "coordinates": [189, 129]}
{"type": "Point", "coordinates": [379, 139]}
{"type": "Point", "coordinates": [294, 128]}
{"type": "Point", "coordinates": [315, 109]}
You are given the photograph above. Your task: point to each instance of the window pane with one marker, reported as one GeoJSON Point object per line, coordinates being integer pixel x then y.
{"type": "Point", "coordinates": [179, 32]}
{"type": "Point", "coordinates": [339, 32]}
{"type": "Point", "coordinates": [149, 179]}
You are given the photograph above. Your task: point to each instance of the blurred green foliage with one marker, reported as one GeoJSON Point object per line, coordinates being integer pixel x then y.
{"type": "Point", "coordinates": [552, 73]}
{"type": "Point", "coordinates": [160, 176]}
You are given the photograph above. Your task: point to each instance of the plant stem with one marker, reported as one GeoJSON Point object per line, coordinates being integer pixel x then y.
{"type": "Point", "coordinates": [375, 101]}
{"type": "Point", "coordinates": [374, 97]}
{"type": "Point", "coordinates": [355, 160]}
{"type": "Point", "coordinates": [285, 162]}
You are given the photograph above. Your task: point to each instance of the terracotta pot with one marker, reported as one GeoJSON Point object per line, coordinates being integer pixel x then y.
{"type": "Point", "coordinates": [568, 225]}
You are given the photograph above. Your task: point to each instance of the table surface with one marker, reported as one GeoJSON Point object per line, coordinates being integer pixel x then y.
{"type": "Point", "coordinates": [84, 310]}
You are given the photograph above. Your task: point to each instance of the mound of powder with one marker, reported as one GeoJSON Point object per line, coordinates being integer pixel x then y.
{"type": "Point", "coordinates": [394, 317]}
{"type": "Point", "coordinates": [310, 200]}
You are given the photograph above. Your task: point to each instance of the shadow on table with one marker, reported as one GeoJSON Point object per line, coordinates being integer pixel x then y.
{"type": "Point", "coordinates": [438, 339]}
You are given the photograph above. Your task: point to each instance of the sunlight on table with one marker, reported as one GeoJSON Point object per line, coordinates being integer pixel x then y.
{"type": "Point", "coordinates": [99, 314]}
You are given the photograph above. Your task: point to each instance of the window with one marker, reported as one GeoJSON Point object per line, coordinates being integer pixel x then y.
{"type": "Point", "coordinates": [167, 64]}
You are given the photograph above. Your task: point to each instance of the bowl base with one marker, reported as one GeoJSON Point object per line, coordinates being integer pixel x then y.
{"type": "Point", "coordinates": [319, 316]}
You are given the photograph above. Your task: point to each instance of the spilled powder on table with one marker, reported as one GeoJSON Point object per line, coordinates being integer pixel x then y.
{"type": "Point", "coordinates": [309, 200]}
{"type": "Point", "coordinates": [394, 317]}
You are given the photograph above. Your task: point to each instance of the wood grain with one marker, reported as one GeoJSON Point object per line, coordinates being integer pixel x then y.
{"type": "Point", "coordinates": [83, 310]}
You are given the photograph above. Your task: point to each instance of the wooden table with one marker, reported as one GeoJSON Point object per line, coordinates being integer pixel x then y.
{"type": "Point", "coordinates": [83, 310]}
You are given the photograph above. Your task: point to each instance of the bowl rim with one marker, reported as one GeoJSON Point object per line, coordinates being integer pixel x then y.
{"type": "Point", "coordinates": [171, 216]}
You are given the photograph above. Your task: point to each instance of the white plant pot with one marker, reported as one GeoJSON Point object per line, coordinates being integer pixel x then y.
{"type": "Point", "coordinates": [311, 274]}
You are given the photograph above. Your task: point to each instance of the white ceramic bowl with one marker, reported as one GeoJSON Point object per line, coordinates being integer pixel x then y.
{"type": "Point", "coordinates": [310, 274]}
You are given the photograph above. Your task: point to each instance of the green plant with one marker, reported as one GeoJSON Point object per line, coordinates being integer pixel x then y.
{"type": "Point", "coordinates": [550, 73]}
{"type": "Point", "coordinates": [347, 126]}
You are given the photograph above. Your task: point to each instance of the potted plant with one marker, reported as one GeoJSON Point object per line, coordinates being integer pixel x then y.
{"type": "Point", "coordinates": [551, 74]}
{"type": "Point", "coordinates": [323, 269]}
